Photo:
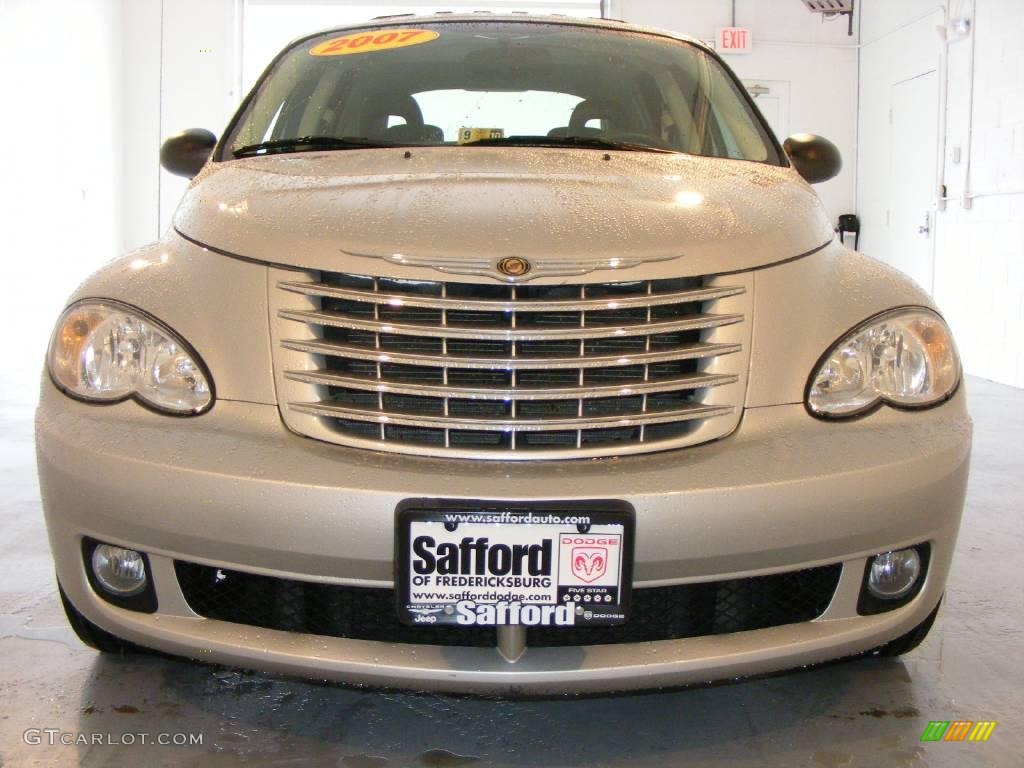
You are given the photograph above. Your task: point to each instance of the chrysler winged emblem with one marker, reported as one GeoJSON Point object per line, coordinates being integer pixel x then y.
{"type": "Point", "coordinates": [513, 266]}
{"type": "Point", "coordinates": [513, 269]}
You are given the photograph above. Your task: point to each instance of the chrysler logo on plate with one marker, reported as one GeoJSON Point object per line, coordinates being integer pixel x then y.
{"type": "Point", "coordinates": [513, 266]}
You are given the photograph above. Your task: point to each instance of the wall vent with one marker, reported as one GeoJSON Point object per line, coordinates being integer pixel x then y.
{"type": "Point", "coordinates": [832, 9]}
{"type": "Point", "coordinates": [829, 6]}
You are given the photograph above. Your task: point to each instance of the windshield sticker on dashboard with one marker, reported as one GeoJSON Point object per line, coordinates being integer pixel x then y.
{"type": "Point", "coordinates": [468, 135]}
{"type": "Point", "coordinates": [367, 42]}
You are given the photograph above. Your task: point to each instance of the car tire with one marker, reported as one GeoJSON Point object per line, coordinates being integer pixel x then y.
{"type": "Point", "coordinates": [90, 634]}
{"type": "Point", "coordinates": [910, 641]}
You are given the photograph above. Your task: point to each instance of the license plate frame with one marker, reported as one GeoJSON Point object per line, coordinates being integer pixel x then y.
{"type": "Point", "coordinates": [603, 550]}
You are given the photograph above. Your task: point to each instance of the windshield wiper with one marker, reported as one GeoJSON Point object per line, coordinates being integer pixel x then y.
{"type": "Point", "coordinates": [588, 142]}
{"type": "Point", "coordinates": [301, 143]}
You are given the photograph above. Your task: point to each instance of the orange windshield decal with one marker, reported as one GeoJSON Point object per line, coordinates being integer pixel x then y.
{"type": "Point", "coordinates": [370, 41]}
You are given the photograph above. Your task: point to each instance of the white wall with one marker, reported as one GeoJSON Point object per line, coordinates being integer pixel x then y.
{"type": "Point", "coordinates": [200, 76]}
{"type": "Point", "coordinates": [60, 69]}
{"type": "Point", "coordinates": [180, 69]}
{"type": "Point", "coordinates": [900, 42]}
{"type": "Point", "coordinates": [816, 58]}
{"type": "Point", "coordinates": [979, 259]}
{"type": "Point", "coordinates": [979, 248]}
{"type": "Point", "coordinates": [139, 171]}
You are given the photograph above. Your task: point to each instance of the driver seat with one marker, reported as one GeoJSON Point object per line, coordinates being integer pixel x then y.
{"type": "Point", "coordinates": [605, 110]}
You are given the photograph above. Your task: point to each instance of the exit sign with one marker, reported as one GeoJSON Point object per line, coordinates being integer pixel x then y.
{"type": "Point", "coordinates": [735, 40]}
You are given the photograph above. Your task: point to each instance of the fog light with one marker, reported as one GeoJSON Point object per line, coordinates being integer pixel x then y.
{"type": "Point", "coordinates": [894, 574]}
{"type": "Point", "coordinates": [122, 572]}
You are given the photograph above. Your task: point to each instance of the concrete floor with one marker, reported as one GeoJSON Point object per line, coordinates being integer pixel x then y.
{"type": "Point", "coordinates": [863, 713]}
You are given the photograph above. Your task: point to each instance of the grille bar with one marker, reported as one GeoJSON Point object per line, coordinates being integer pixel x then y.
{"type": "Point", "coordinates": [521, 372]}
{"type": "Point", "coordinates": [341, 320]}
{"type": "Point", "coordinates": [692, 381]}
{"type": "Point", "coordinates": [525, 305]}
{"type": "Point", "coordinates": [682, 352]}
{"type": "Point", "coordinates": [504, 425]}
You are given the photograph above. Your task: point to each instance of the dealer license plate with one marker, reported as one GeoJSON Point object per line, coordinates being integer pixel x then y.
{"type": "Point", "coordinates": [549, 566]}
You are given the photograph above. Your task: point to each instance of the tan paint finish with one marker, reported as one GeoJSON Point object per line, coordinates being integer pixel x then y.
{"type": "Point", "coordinates": [233, 488]}
{"type": "Point", "coordinates": [312, 208]}
{"type": "Point", "coordinates": [218, 305]}
{"type": "Point", "coordinates": [802, 307]}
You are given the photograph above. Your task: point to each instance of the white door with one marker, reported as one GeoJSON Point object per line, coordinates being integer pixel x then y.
{"type": "Point", "coordinates": [913, 138]}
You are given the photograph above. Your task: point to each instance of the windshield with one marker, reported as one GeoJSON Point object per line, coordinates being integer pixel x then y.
{"type": "Point", "coordinates": [490, 83]}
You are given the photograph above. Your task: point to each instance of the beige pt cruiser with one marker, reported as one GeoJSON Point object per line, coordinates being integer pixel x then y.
{"type": "Point", "coordinates": [505, 355]}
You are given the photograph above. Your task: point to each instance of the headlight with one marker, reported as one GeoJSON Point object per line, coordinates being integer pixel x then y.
{"type": "Point", "coordinates": [104, 351]}
{"type": "Point", "coordinates": [905, 358]}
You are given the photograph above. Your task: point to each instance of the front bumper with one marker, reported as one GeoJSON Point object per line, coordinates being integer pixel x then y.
{"type": "Point", "coordinates": [235, 489]}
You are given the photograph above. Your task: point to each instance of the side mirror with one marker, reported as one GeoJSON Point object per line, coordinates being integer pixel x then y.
{"type": "Point", "coordinates": [185, 153]}
{"type": "Point", "coordinates": [815, 158]}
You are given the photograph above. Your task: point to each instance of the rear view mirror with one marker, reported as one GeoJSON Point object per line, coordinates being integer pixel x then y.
{"type": "Point", "coordinates": [185, 153]}
{"type": "Point", "coordinates": [815, 158]}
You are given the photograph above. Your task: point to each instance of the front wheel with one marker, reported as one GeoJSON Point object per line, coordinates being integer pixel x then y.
{"type": "Point", "coordinates": [92, 635]}
{"type": "Point", "coordinates": [910, 641]}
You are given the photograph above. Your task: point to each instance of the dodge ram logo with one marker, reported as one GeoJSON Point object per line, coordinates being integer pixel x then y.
{"type": "Point", "coordinates": [589, 563]}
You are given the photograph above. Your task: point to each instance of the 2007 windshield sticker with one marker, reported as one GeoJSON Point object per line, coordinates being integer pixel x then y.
{"type": "Point", "coordinates": [370, 41]}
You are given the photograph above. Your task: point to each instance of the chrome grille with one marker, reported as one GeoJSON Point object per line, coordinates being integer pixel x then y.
{"type": "Point", "coordinates": [510, 371]}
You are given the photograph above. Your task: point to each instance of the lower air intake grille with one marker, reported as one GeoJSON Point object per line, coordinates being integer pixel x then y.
{"type": "Point", "coordinates": [309, 608]}
{"type": "Point", "coordinates": [658, 613]}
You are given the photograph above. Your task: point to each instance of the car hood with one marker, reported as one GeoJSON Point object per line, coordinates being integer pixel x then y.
{"type": "Point", "coordinates": [461, 210]}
